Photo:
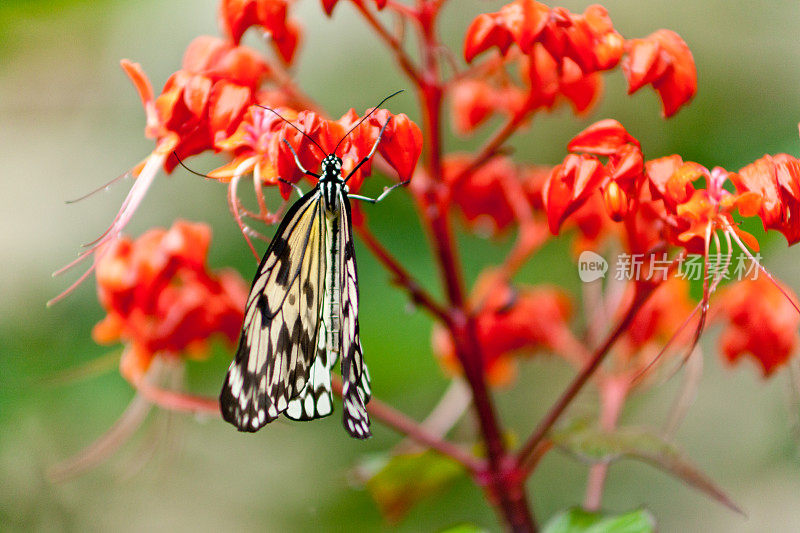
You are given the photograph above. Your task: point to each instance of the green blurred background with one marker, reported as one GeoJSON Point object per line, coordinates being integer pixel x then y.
{"type": "Point", "coordinates": [70, 121]}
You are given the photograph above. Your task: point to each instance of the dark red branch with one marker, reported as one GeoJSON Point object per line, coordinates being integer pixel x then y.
{"type": "Point", "coordinates": [396, 46]}
{"type": "Point", "coordinates": [401, 276]}
{"type": "Point", "coordinates": [526, 452]}
{"type": "Point", "coordinates": [505, 489]}
{"type": "Point", "coordinates": [404, 425]}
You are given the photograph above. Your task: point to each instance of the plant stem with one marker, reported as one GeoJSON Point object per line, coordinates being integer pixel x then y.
{"type": "Point", "coordinates": [505, 489]}
{"type": "Point", "coordinates": [643, 292]}
{"type": "Point", "coordinates": [401, 276]}
{"type": "Point", "coordinates": [396, 47]}
{"type": "Point", "coordinates": [613, 391]}
{"type": "Point", "coordinates": [404, 425]}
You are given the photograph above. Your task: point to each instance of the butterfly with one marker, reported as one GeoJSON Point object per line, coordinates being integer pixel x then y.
{"type": "Point", "coordinates": [301, 314]}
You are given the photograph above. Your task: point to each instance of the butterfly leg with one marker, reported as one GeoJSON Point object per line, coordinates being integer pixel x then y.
{"type": "Point", "coordinates": [294, 185]}
{"type": "Point", "coordinates": [383, 195]}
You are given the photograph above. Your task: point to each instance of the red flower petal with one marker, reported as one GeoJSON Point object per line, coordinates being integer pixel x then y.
{"type": "Point", "coordinates": [776, 179]}
{"type": "Point", "coordinates": [664, 60]}
{"type": "Point", "coordinates": [227, 106]}
{"type": "Point", "coordinates": [525, 20]}
{"type": "Point", "coordinates": [762, 323]}
{"type": "Point", "coordinates": [484, 32]}
{"type": "Point", "coordinates": [568, 186]}
{"type": "Point", "coordinates": [605, 137]}
{"type": "Point", "coordinates": [401, 145]}
{"type": "Point", "coordinates": [139, 79]}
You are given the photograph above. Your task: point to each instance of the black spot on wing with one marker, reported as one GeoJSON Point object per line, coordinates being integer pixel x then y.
{"type": "Point", "coordinates": [308, 290]}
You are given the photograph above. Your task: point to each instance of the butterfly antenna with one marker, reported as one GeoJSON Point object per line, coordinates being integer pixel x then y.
{"type": "Point", "coordinates": [306, 135]}
{"type": "Point", "coordinates": [365, 118]}
{"type": "Point", "coordinates": [180, 162]}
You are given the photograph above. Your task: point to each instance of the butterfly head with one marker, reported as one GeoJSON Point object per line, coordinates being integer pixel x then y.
{"type": "Point", "coordinates": [331, 168]}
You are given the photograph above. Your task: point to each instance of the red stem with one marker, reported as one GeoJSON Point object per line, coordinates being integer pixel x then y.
{"type": "Point", "coordinates": [401, 275]}
{"type": "Point", "coordinates": [414, 430]}
{"type": "Point", "coordinates": [612, 398]}
{"type": "Point", "coordinates": [504, 487]}
{"type": "Point", "coordinates": [396, 46]}
{"type": "Point", "coordinates": [643, 292]}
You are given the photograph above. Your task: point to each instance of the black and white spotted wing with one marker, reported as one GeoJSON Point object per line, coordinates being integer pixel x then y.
{"type": "Point", "coordinates": [338, 334]}
{"type": "Point", "coordinates": [355, 376]}
{"type": "Point", "coordinates": [278, 343]}
{"type": "Point", "coordinates": [302, 311]}
{"type": "Point", "coordinates": [301, 317]}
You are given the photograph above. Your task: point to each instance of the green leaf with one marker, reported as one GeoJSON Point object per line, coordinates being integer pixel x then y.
{"type": "Point", "coordinates": [401, 481]}
{"type": "Point", "coordinates": [577, 520]}
{"type": "Point", "coordinates": [594, 445]}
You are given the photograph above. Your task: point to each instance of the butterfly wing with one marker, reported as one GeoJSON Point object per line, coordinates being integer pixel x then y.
{"type": "Point", "coordinates": [278, 343]}
{"type": "Point", "coordinates": [355, 376]}
{"type": "Point", "coordinates": [316, 400]}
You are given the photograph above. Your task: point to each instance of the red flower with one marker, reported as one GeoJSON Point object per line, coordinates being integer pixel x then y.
{"type": "Point", "coordinates": [579, 176]}
{"type": "Point", "coordinates": [237, 16]}
{"type": "Point", "coordinates": [482, 195]}
{"type": "Point", "coordinates": [664, 61]}
{"type": "Point", "coordinates": [258, 144]}
{"type": "Point", "coordinates": [761, 323]}
{"type": "Point", "coordinates": [699, 212]}
{"type": "Point", "coordinates": [569, 186]}
{"type": "Point", "coordinates": [509, 320]}
{"type": "Point", "coordinates": [161, 298]}
{"type": "Point", "coordinates": [588, 40]}
{"type": "Point", "coordinates": [204, 101]}
{"type": "Point", "coordinates": [200, 104]}
{"type": "Point", "coordinates": [562, 50]}
{"type": "Point", "coordinates": [776, 180]}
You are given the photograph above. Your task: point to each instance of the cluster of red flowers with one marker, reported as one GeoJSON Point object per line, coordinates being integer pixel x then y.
{"type": "Point", "coordinates": [215, 103]}
{"type": "Point", "coordinates": [559, 55]}
{"type": "Point", "coordinates": [658, 204]}
{"type": "Point", "coordinates": [161, 298]}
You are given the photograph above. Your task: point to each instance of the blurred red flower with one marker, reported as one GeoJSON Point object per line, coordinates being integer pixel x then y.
{"type": "Point", "coordinates": [509, 320]}
{"type": "Point", "coordinates": [237, 16]}
{"type": "Point", "coordinates": [161, 298]}
{"type": "Point", "coordinates": [776, 180]}
{"type": "Point", "coordinates": [573, 182]}
{"type": "Point", "coordinates": [480, 195]}
{"type": "Point", "coordinates": [662, 60]}
{"type": "Point", "coordinates": [204, 101]}
{"type": "Point", "coordinates": [760, 322]}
